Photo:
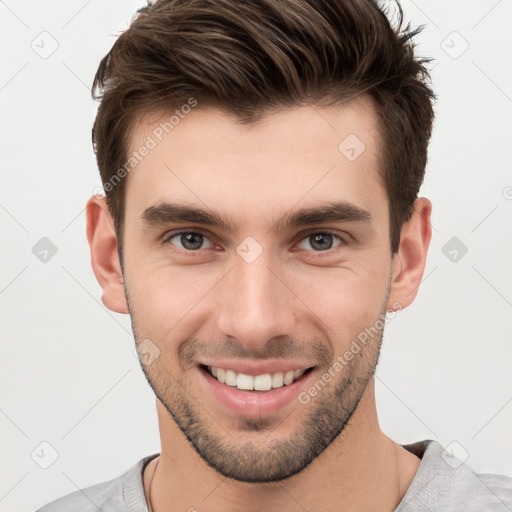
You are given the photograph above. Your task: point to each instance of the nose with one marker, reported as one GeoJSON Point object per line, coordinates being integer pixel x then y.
{"type": "Point", "coordinates": [256, 304]}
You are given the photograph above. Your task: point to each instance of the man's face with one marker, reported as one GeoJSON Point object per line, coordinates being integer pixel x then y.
{"type": "Point", "coordinates": [261, 291]}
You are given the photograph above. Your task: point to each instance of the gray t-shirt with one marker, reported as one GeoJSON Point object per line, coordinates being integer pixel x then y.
{"type": "Point", "coordinates": [443, 483]}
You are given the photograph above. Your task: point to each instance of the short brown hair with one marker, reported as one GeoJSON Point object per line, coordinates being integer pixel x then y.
{"type": "Point", "coordinates": [249, 57]}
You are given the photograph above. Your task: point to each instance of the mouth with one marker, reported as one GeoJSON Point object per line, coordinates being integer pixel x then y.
{"type": "Point", "coordinates": [258, 383]}
{"type": "Point", "coordinates": [237, 394]}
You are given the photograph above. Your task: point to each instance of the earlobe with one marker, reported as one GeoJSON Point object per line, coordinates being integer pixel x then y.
{"type": "Point", "coordinates": [409, 263]}
{"type": "Point", "coordinates": [104, 256]}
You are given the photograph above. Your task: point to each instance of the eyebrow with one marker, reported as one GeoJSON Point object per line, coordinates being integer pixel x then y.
{"type": "Point", "coordinates": [342, 211]}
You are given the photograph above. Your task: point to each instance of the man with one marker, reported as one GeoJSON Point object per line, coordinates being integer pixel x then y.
{"type": "Point", "coordinates": [261, 163]}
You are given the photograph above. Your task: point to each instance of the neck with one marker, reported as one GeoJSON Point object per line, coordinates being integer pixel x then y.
{"type": "Point", "coordinates": [361, 470]}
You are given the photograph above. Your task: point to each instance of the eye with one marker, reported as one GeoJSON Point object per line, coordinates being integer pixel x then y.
{"type": "Point", "coordinates": [193, 241]}
{"type": "Point", "coordinates": [322, 240]}
{"type": "Point", "coordinates": [190, 241]}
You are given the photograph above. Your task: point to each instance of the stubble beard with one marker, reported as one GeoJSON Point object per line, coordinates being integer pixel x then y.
{"type": "Point", "coordinates": [319, 423]}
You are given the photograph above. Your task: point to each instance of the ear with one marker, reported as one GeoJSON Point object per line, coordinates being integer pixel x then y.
{"type": "Point", "coordinates": [408, 263]}
{"type": "Point", "coordinates": [104, 257]}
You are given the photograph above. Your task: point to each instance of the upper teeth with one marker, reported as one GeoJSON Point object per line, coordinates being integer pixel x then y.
{"type": "Point", "coordinates": [262, 382]}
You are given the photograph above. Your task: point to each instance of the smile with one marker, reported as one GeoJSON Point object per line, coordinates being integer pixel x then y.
{"type": "Point", "coordinates": [263, 382]}
{"type": "Point", "coordinates": [239, 393]}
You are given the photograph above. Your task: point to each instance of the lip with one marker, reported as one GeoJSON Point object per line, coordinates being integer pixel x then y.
{"type": "Point", "coordinates": [254, 404]}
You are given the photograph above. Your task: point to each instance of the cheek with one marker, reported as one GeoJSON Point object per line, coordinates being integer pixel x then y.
{"type": "Point", "coordinates": [163, 297]}
{"type": "Point", "coordinates": [346, 300]}
{"type": "Point", "coordinates": [171, 301]}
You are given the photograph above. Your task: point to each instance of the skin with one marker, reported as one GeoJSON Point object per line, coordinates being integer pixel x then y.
{"type": "Point", "coordinates": [294, 300]}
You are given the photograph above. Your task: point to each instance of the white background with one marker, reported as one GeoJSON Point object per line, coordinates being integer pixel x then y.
{"type": "Point", "coordinates": [69, 376]}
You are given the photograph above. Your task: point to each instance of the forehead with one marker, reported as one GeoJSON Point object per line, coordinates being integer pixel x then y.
{"type": "Point", "coordinates": [301, 154]}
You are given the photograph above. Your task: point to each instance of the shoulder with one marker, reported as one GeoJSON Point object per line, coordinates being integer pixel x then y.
{"type": "Point", "coordinates": [488, 491]}
{"type": "Point", "coordinates": [445, 483]}
{"type": "Point", "coordinates": [123, 493]}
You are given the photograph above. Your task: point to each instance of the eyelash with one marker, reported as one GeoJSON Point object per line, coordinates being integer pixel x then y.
{"type": "Point", "coordinates": [168, 236]}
